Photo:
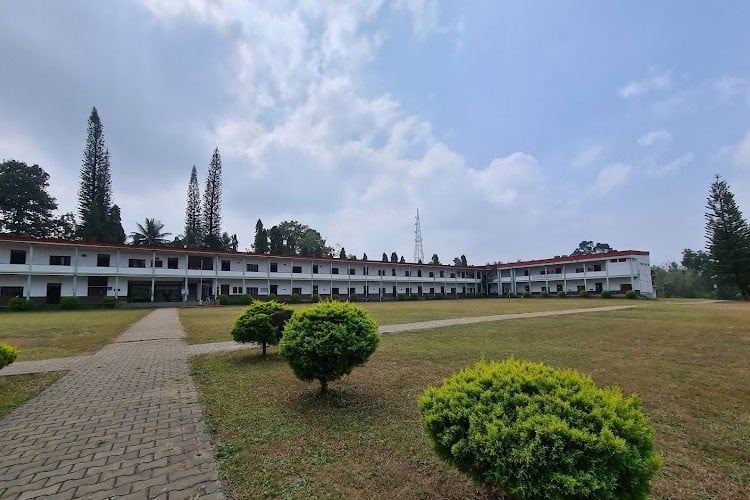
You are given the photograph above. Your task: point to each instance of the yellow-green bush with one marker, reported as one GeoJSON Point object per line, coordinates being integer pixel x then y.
{"type": "Point", "coordinates": [8, 354]}
{"type": "Point", "coordinates": [537, 432]}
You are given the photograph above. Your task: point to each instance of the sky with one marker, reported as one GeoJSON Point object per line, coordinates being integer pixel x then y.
{"type": "Point", "coordinates": [517, 129]}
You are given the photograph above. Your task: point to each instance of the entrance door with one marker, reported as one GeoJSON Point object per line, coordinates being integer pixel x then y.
{"type": "Point", "coordinates": [54, 291]}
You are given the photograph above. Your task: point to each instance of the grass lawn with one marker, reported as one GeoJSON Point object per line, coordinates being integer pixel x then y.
{"type": "Point", "coordinates": [687, 362]}
{"type": "Point", "coordinates": [213, 324]}
{"type": "Point", "coordinates": [56, 334]}
{"type": "Point", "coordinates": [15, 390]}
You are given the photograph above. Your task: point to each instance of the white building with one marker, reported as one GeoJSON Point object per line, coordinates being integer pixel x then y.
{"type": "Point", "coordinates": [46, 270]}
{"type": "Point", "coordinates": [617, 271]}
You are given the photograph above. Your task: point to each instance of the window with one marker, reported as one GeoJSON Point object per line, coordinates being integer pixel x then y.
{"type": "Point", "coordinates": [579, 269]}
{"type": "Point", "coordinates": [298, 291]}
{"type": "Point", "coordinates": [102, 260]}
{"type": "Point", "coordinates": [525, 272]}
{"type": "Point", "coordinates": [542, 272]}
{"type": "Point", "coordinates": [334, 270]}
{"type": "Point", "coordinates": [393, 272]}
{"type": "Point", "coordinates": [7, 292]}
{"type": "Point", "coordinates": [622, 260]}
{"type": "Point", "coordinates": [558, 270]}
{"type": "Point", "coordinates": [297, 269]}
{"type": "Point", "coordinates": [352, 271]}
{"type": "Point", "coordinates": [366, 273]}
{"type": "Point", "coordinates": [453, 275]}
{"type": "Point", "coordinates": [225, 265]}
{"type": "Point", "coordinates": [581, 288]}
{"type": "Point", "coordinates": [613, 260]}
{"type": "Point", "coordinates": [381, 272]}
{"type": "Point", "coordinates": [315, 269]}
{"type": "Point", "coordinates": [432, 291]}
{"type": "Point", "coordinates": [234, 289]}
{"type": "Point", "coordinates": [597, 267]}
{"type": "Point", "coordinates": [352, 291]}
{"type": "Point", "coordinates": [419, 273]}
{"type": "Point", "coordinates": [60, 260]}
{"type": "Point", "coordinates": [18, 256]}
{"type": "Point", "coordinates": [334, 291]}
{"type": "Point", "coordinates": [158, 263]}
{"type": "Point", "coordinates": [253, 268]}
{"type": "Point", "coordinates": [274, 289]}
{"type": "Point", "coordinates": [406, 273]}
{"type": "Point", "coordinates": [136, 262]}
{"type": "Point", "coordinates": [200, 263]}
{"type": "Point", "coordinates": [274, 267]}
{"type": "Point", "coordinates": [251, 290]}
{"type": "Point", "coordinates": [173, 263]}
{"type": "Point", "coordinates": [431, 275]}
{"type": "Point", "coordinates": [442, 274]}
{"type": "Point", "coordinates": [224, 289]}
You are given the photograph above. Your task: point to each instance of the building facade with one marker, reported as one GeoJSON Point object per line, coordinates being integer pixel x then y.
{"type": "Point", "coordinates": [46, 270]}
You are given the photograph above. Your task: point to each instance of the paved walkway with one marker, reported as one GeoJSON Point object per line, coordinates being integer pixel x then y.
{"type": "Point", "coordinates": [125, 423]}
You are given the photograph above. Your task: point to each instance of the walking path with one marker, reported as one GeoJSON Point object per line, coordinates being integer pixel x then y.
{"type": "Point", "coordinates": [126, 422]}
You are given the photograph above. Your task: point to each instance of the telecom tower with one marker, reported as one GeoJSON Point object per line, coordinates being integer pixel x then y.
{"type": "Point", "coordinates": [418, 250]}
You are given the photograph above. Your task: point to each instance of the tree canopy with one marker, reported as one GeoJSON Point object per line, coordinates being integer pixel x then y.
{"type": "Point", "coordinates": [150, 233]}
{"type": "Point", "coordinates": [25, 206]}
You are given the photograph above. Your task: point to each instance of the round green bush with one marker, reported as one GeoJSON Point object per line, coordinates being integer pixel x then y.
{"type": "Point", "coordinates": [222, 299]}
{"type": "Point", "coordinates": [70, 303]}
{"type": "Point", "coordinates": [537, 432]}
{"type": "Point", "coordinates": [561, 294]}
{"type": "Point", "coordinates": [630, 294]}
{"type": "Point", "coordinates": [315, 298]}
{"type": "Point", "coordinates": [21, 304]}
{"type": "Point", "coordinates": [246, 299]}
{"type": "Point", "coordinates": [606, 294]}
{"type": "Point", "coordinates": [526, 295]}
{"type": "Point", "coordinates": [295, 298]}
{"type": "Point", "coordinates": [261, 322]}
{"type": "Point", "coordinates": [354, 298]}
{"type": "Point", "coordinates": [8, 354]}
{"type": "Point", "coordinates": [109, 301]}
{"type": "Point", "coordinates": [545, 295]}
{"type": "Point", "coordinates": [327, 340]}
{"type": "Point", "coordinates": [583, 294]}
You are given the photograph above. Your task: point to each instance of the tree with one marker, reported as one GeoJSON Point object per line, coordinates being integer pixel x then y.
{"type": "Point", "coordinates": [98, 219]}
{"type": "Point", "coordinates": [728, 238]}
{"type": "Point", "coordinates": [464, 262]}
{"type": "Point", "coordinates": [588, 248]}
{"type": "Point", "coordinates": [402, 260]}
{"type": "Point", "coordinates": [394, 257]}
{"type": "Point", "coordinates": [696, 260]}
{"type": "Point", "coordinates": [276, 242]}
{"type": "Point", "coordinates": [212, 203]}
{"type": "Point", "coordinates": [260, 243]}
{"type": "Point", "coordinates": [25, 206]}
{"type": "Point", "coordinates": [435, 259]}
{"type": "Point", "coordinates": [261, 322]}
{"type": "Point", "coordinates": [150, 233]}
{"type": "Point", "coordinates": [312, 244]}
{"type": "Point", "coordinates": [193, 220]}
{"type": "Point", "coordinates": [65, 227]}
{"type": "Point", "coordinates": [457, 261]}
{"type": "Point", "coordinates": [342, 253]}
{"type": "Point", "coordinates": [327, 340]}
{"type": "Point", "coordinates": [234, 243]}
{"type": "Point", "coordinates": [385, 257]}
{"type": "Point", "coordinates": [364, 256]}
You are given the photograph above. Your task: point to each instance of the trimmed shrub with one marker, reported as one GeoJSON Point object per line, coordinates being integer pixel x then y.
{"type": "Point", "coordinates": [630, 294]}
{"type": "Point", "coordinates": [21, 304]}
{"type": "Point", "coordinates": [354, 298]}
{"type": "Point", "coordinates": [327, 340]}
{"type": "Point", "coordinates": [246, 299]}
{"type": "Point", "coordinates": [537, 432]}
{"type": "Point", "coordinates": [414, 296]}
{"type": "Point", "coordinates": [109, 301]}
{"type": "Point", "coordinates": [526, 295]}
{"type": "Point", "coordinates": [544, 295]}
{"type": "Point", "coordinates": [262, 322]}
{"type": "Point", "coordinates": [401, 296]}
{"type": "Point", "coordinates": [561, 294]}
{"type": "Point", "coordinates": [315, 298]}
{"type": "Point", "coordinates": [222, 299]}
{"type": "Point", "coordinates": [70, 303]}
{"type": "Point", "coordinates": [8, 354]}
{"type": "Point", "coordinates": [272, 297]}
{"type": "Point", "coordinates": [295, 298]}
{"type": "Point", "coordinates": [583, 294]}
{"type": "Point", "coordinates": [606, 294]}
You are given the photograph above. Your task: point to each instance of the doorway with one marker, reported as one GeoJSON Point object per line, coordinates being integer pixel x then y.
{"type": "Point", "coordinates": [54, 292]}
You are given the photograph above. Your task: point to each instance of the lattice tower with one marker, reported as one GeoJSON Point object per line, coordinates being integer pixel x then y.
{"type": "Point", "coordinates": [418, 249]}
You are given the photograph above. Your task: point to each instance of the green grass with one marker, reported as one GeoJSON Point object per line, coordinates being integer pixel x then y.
{"type": "Point", "coordinates": [15, 390]}
{"type": "Point", "coordinates": [688, 364]}
{"type": "Point", "coordinates": [213, 324]}
{"type": "Point", "coordinates": [55, 334]}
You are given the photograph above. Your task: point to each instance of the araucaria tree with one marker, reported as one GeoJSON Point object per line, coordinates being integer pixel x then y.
{"type": "Point", "coordinates": [212, 203]}
{"type": "Point", "coordinates": [99, 218]}
{"type": "Point", "coordinates": [260, 243]}
{"type": "Point", "coordinates": [193, 222]}
{"type": "Point", "coordinates": [25, 206]}
{"type": "Point", "coordinates": [728, 238]}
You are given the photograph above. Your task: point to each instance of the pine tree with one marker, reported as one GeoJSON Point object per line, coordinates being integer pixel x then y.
{"type": "Point", "coordinates": [364, 256]}
{"type": "Point", "coordinates": [193, 222]}
{"type": "Point", "coordinates": [394, 257]}
{"type": "Point", "coordinates": [276, 241]}
{"type": "Point", "coordinates": [385, 257]}
{"type": "Point", "coordinates": [212, 203]}
{"type": "Point", "coordinates": [99, 222]}
{"type": "Point", "coordinates": [260, 243]}
{"type": "Point", "coordinates": [342, 253]}
{"type": "Point", "coordinates": [435, 259]}
{"type": "Point", "coordinates": [728, 238]}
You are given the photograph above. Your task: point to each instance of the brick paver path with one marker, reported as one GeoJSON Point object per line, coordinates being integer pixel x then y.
{"type": "Point", "coordinates": [123, 422]}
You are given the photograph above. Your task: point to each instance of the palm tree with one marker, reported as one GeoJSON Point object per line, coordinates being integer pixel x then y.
{"type": "Point", "coordinates": [150, 233]}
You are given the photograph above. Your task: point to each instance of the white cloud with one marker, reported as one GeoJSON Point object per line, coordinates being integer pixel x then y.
{"type": "Point", "coordinates": [655, 81]}
{"type": "Point", "coordinates": [741, 154]}
{"type": "Point", "coordinates": [671, 166]}
{"type": "Point", "coordinates": [654, 137]}
{"type": "Point", "coordinates": [588, 156]}
{"type": "Point", "coordinates": [727, 87]}
{"type": "Point", "coordinates": [611, 177]}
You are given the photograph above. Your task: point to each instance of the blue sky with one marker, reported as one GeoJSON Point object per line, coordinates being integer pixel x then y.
{"type": "Point", "coordinates": [517, 128]}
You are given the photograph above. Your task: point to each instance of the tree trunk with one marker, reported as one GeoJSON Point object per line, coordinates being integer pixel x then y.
{"type": "Point", "coordinates": [263, 348]}
{"type": "Point", "coordinates": [323, 386]}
